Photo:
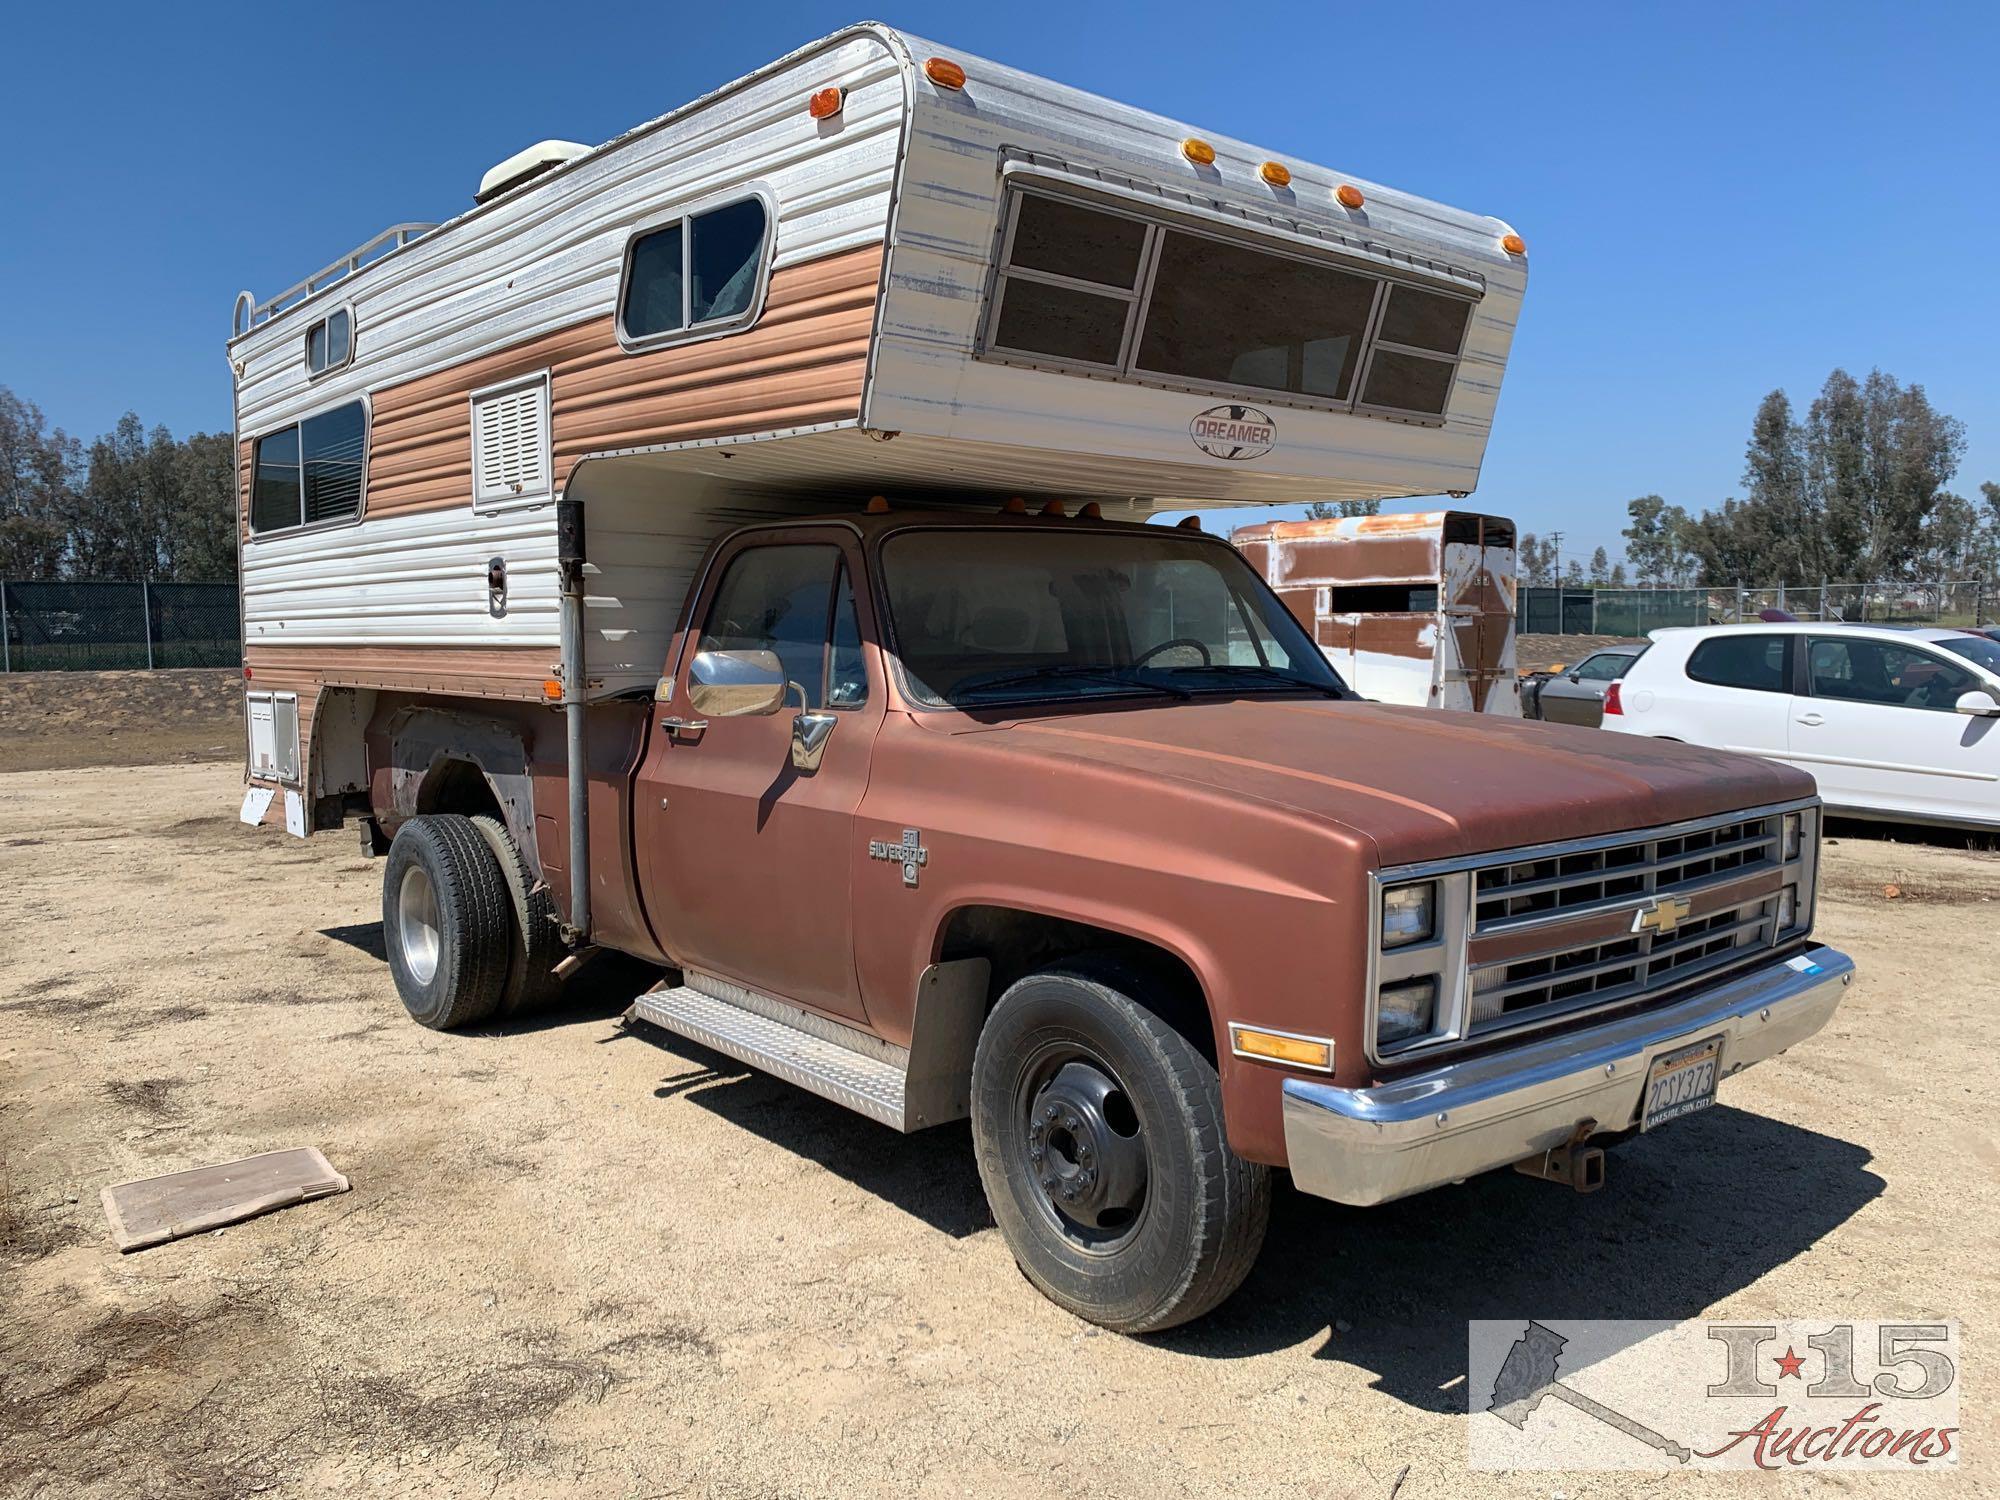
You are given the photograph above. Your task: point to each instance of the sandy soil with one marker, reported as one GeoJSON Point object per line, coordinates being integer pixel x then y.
{"type": "Point", "coordinates": [56, 719]}
{"type": "Point", "coordinates": [577, 1263]}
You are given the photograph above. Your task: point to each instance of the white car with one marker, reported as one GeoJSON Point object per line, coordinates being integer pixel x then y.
{"type": "Point", "coordinates": [1893, 722]}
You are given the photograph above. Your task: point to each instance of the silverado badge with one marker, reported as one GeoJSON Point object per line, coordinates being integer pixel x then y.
{"type": "Point", "coordinates": [910, 854]}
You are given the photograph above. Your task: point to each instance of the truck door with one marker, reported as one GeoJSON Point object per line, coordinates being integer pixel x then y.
{"type": "Point", "coordinates": [745, 857]}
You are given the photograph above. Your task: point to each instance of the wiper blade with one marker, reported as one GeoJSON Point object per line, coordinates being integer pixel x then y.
{"type": "Point", "coordinates": [1070, 671]}
{"type": "Point", "coordinates": [1272, 674]}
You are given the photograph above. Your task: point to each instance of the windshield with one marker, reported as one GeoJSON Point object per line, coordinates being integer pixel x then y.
{"type": "Point", "coordinates": [987, 616]}
{"type": "Point", "coordinates": [1974, 648]}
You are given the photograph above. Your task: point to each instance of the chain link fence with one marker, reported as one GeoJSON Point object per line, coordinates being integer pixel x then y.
{"type": "Point", "coordinates": [1634, 612]}
{"type": "Point", "coordinates": [93, 626]}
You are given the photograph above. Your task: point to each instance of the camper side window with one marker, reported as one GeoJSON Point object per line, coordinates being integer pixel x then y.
{"type": "Point", "coordinates": [310, 472]}
{"type": "Point", "coordinates": [330, 342]}
{"type": "Point", "coordinates": [698, 275]}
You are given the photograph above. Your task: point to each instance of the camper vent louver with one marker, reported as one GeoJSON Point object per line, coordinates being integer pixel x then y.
{"type": "Point", "coordinates": [510, 442]}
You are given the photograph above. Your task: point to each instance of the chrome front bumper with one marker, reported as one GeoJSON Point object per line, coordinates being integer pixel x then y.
{"type": "Point", "coordinates": [1365, 1146]}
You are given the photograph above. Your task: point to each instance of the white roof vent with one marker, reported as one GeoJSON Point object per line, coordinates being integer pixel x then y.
{"type": "Point", "coordinates": [523, 165]}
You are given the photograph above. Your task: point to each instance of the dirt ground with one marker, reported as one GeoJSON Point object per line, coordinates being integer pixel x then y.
{"type": "Point", "coordinates": [578, 1263]}
{"type": "Point", "coordinates": [51, 719]}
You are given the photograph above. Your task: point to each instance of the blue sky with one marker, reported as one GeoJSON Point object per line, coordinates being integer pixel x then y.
{"type": "Point", "coordinates": [1717, 198]}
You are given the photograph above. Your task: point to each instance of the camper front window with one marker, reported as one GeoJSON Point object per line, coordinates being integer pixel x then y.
{"type": "Point", "coordinates": [1106, 290]}
{"type": "Point", "coordinates": [695, 275]}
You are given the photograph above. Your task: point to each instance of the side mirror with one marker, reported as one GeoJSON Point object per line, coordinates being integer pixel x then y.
{"type": "Point", "coordinates": [1979, 703]}
{"type": "Point", "coordinates": [729, 684]}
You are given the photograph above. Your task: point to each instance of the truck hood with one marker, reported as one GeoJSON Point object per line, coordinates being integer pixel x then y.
{"type": "Point", "coordinates": [1421, 783]}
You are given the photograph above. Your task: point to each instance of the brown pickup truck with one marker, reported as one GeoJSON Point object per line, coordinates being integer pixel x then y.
{"type": "Point", "coordinates": [1067, 825]}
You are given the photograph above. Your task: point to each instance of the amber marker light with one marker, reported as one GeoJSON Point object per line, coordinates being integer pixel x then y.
{"type": "Point", "coordinates": [878, 505]}
{"type": "Point", "coordinates": [1349, 196]}
{"type": "Point", "coordinates": [1276, 173]}
{"type": "Point", "coordinates": [1198, 151]}
{"type": "Point", "coordinates": [825, 104]}
{"type": "Point", "coordinates": [1282, 1047]}
{"type": "Point", "coordinates": [1014, 506]}
{"type": "Point", "coordinates": [945, 73]}
{"type": "Point", "coordinates": [551, 689]}
{"type": "Point", "coordinates": [1513, 244]}
{"type": "Point", "coordinates": [1052, 508]}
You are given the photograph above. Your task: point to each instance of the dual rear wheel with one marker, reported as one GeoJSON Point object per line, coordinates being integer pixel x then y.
{"type": "Point", "coordinates": [469, 934]}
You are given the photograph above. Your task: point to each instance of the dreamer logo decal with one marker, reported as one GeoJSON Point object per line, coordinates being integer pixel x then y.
{"type": "Point", "coordinates": [1233, 432]}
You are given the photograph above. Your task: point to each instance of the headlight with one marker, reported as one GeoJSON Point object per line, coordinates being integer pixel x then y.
{"type": "Point", "coordinates": [1790, 841]}
{"type": "Point", "coordinates": [1409, 913]}
{"type": "Point", "coordinates": [1788, 911]}
{"type": "Point", "coordinates": [1405, 1010]}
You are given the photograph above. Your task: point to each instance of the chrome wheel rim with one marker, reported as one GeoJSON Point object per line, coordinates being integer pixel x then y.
{"type": "Point", "coordinates": [417, 924]}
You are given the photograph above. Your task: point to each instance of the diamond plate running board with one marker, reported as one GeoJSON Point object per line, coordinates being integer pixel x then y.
{"type": "Point", "coordinates": [773, 1038]}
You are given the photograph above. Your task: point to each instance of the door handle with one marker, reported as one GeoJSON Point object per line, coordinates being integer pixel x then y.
{"type": "Point", "coordinates": [1813, 720]}
{"type": "Point", "coordinates": [676, 725]}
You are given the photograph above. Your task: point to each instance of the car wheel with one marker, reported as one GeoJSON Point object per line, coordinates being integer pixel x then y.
{"type": "Point", "coordinates": [1099, 1135]}
{"type": "Point", "coordinates": [445, 922]}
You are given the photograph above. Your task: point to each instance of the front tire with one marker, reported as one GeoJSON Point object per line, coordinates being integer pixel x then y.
{"type": "Point", "coordinates": [446, 922]}
{"type": "Point", "coordinates": [1099, 1135]}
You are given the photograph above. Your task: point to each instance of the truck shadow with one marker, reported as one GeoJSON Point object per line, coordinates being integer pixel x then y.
{"type": "Point", "coordinates": [1686, 1219]}
{"type": "Point", "coordinates": [929, 1175]}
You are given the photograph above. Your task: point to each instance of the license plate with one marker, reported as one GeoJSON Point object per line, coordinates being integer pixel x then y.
{"type": "Point", "coordinates": [1681, 1082]}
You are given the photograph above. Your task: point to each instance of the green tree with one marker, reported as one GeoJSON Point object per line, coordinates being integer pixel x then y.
{"type": "Point", "coordinates": [1330, 510]}
{"type": "Point", "coordinates": [1658, 541]}
{"type": "Point", "coordinates": [36, 470]}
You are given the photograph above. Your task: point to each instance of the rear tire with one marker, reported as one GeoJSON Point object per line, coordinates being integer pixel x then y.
{"type": "Point", "coordinates": [1099, 1135]}
{"type": "Point", "coordinates": [536, 948]}
{"type": "Point", "coordinates": [445, 922]}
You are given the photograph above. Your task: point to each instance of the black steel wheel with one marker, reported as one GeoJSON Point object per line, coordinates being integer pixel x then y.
{"type": "Point", "coordinates": [1098, 1129]}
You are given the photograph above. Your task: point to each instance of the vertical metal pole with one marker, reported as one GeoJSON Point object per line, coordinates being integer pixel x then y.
{"type": "Point", "coordinates": [146, 609]}
{"type": "Point", "coordinates": [1822, 598]}
{"type": "Point", "coordinates": [6, 634]}
{"type": "Point", "coordinates": [570, 559]}
{"type": "Point", "coordinates": [1739, 602]}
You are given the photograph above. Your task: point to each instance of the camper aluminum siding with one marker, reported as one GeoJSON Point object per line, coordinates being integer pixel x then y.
{"type": "Point", "coordinates": [525, 286]}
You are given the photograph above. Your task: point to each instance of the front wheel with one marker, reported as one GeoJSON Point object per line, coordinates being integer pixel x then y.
{"type": "Point", "coordinates": [1099, 1135]}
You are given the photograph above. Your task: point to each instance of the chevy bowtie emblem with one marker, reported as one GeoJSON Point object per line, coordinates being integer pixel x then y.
{"type": "Point", "coordinates": [910, 854]}
{"type": "Point", "coordinates": [1662, 916]}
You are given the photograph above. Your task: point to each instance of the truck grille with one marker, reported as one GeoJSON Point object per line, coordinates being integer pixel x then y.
{"type": "Point", "coordinates": [1571, 931]}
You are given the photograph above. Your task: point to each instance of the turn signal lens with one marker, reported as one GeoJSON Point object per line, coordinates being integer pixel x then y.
{"type": "Point", "coordinates": [1513, 244]}
{"type": "Point", "coordinates": [551, 689]}
{"type": "Point", "coordinates": [1349, 195]}
{"type": "Point", "coordinates": [1198, 151]}
{"type": "Point", "coordinates": [1276, 173]}
{"type": "Point", "coordinates": [1276, 1046]}
{"type": "Point", "coordinates": [825, 104]}
{"type": "Point", "coordinates": [945, 73]}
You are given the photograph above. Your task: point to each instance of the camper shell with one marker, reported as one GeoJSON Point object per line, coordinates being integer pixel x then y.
{"type": "Point", "coordinates": [1416, 609]}
{"type": "Point", "coordinates": [725, 546]}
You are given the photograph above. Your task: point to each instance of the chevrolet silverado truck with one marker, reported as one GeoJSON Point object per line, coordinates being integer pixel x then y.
{"type": "Point", "coordinates": [722, 545]}
{"type": "Point", "coordinates": [1066, 825]}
